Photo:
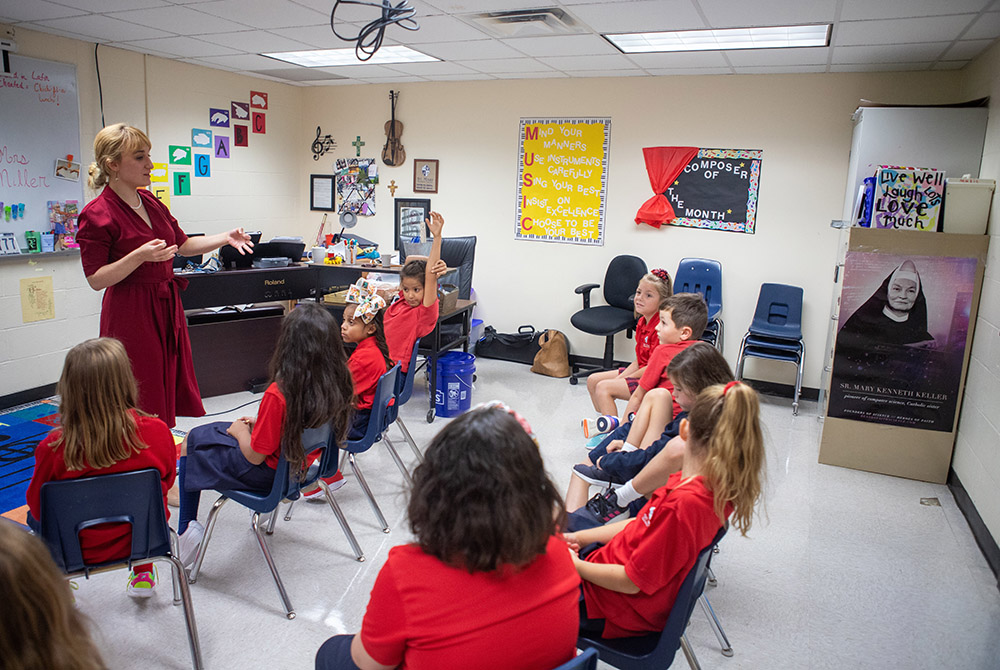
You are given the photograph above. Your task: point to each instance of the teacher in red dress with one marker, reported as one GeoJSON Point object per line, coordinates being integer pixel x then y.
{"type": "Point", "coordinates": [128, 239]}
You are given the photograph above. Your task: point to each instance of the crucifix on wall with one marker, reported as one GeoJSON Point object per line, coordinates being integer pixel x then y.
{"type": "Point", "coordinates": [357, 144]}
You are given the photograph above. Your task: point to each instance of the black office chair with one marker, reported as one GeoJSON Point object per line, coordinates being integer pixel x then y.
{"type": "Point", "coordinates": [620, 282]}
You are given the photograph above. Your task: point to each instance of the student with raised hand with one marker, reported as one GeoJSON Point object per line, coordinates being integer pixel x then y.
{"type": "Point", "coordinates": [634, 569]}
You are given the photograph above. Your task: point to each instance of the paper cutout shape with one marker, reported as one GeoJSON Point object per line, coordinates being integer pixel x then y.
{"type": "Point", "coordinates": [221, 146]}
{"type": "Point", "coordinates": [180, 155]}
{"type": "Point", "coordinates": [258, 99]}
{"type": "Point", "coordinates": [158, 173]}
{"type": "Point", "coordinates": [240, 111]}
{"type": "Point", "coordinates": [202, 165]}
{"type": "Point", "coordinates": [259, 123]}
{"type": "Point", "coordinates": [201, 137]}
{"type": "Point", "coordinates": [218, 118]}
{"type": "Point", "coordinates": [182, 183]}
{"type": "Point", "coordinates": [161, 193]}
{"type": "Point", "coordinates": [240, 135]}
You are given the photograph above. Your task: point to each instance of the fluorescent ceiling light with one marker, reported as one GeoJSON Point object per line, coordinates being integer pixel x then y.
{"type": "Point", "coordinates": [337, 57]}
{"type": "Point", "coordinates": [771, 37]}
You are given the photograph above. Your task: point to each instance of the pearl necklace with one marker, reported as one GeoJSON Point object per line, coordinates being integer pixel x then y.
{"type": "Point", "coordinates": [139, 206]}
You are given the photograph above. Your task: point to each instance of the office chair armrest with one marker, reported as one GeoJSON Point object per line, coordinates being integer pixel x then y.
{"type": "Point", "coordinates": [585, 289]}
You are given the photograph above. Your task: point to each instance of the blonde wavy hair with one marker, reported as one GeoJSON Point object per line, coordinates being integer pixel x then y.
{"type": "Point", "coordinates": [109, 145]}
{"type": "Point", "coordinates": [40, 629]}
{"type": "Point", "coordinates": [725, 425]}
{"type": "Point", "coordinates": [97, 391]}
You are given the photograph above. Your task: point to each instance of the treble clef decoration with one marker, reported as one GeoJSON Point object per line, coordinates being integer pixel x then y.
{"type": "Point", "coordinates": [322, 144]}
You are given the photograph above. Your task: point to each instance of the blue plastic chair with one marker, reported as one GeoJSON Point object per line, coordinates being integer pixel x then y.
{"type": "Point", "coordinates": [704, 276]}
{"type": "Point", "coordinates": [776, 332]}
{"type": "Point", "coordinates": [377, 425]}
{"type": "Point", "coordinates": [286, 486]}
{"type": "Point", "coordinates": [657, 650]}
{"type": "Point", "coordinates": [402, 396]}
{"type": "Point", "coordinates": [584, 661]}
{"type": "Point", "coordinates": [136, 498]}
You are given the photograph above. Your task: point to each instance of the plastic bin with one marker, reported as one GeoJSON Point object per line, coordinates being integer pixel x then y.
{"type": "Point", "coordinates": [967, 205]}
{"type": "Point", "coordinates": [454, 383]}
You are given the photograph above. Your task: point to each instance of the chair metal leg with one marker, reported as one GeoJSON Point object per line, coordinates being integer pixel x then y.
{"type": "Point", "coordinates": [255, 522]}
{"type": "Point", "coordinates": [741, 356]}
{"type": "Point", "coordinates": [271, 519]}
{"type": "Point", "coordinates": [720, 336]}
{"type": "Point", "coordinates": [398, 460]}
{"type": "Point", "coordinates": [344, 526]}
{"type": "Point", "coordinates": [409, 440]}
{"type": "Point", "coordinates": [288, 511]}
{"type": "Point", "coordinates": [212, 517]}
{"type": "Point", "coordinates": [175, 549]}
{"type": "Point", "coordinates": [711, 580]}
{"type": "Point", "coordinates": [689, 653]}
{"type": "Point", "coordinates": [181, 584]}
{"type": "Point", "coordinates": [713, 621]}
{"type": "Point", "coordinates": [798, 378]}
{"type": "Point", "coordinates": [368, 492]}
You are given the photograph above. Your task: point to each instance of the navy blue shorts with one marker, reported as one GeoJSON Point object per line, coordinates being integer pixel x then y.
{"type": "Point", "coordinates": [215, 462]}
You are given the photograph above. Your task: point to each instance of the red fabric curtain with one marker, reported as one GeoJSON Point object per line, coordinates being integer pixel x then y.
{"type": "Point", "coordinates": [663, 164]}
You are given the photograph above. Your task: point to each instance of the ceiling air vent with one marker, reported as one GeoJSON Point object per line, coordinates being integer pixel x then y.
{"type": "Point", "coordinates": [526, 22]}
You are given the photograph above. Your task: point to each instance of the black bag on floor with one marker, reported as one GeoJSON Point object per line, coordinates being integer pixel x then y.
{"type": "Point", "coordinates": [519, 347]}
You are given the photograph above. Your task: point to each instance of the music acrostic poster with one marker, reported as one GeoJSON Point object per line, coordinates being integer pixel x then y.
{"type": "Point", "coordinates": [904, 322]}
{"type": "Point", "coordinates": [562, 180]}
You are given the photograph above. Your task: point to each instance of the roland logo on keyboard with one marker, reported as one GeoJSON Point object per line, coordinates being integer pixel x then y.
{"type": "Point", "coordinates": [273, 282]}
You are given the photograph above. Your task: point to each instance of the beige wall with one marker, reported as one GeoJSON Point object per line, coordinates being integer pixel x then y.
{"type": "Point", "coordinates": [977, 449]}
{"type": "Point", "coordinates": [802, 122]}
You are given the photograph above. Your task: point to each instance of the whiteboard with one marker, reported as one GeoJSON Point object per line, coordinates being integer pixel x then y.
{"type": "Point", "coordinates": [39, 123]}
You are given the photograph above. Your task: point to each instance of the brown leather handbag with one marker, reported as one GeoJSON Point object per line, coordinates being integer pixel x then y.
{"type": "Point", "coordinates": [553, 357]}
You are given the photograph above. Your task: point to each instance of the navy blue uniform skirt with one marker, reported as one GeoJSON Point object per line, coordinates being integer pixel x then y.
{"type": "Point", "coordinates": [214, 461]}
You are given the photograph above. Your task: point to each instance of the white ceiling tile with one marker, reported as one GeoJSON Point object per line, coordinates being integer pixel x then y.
{"type": "Point", "coordinates": [733, 13]}
{"type": "Point", "coordinates": [562, 45]}
{"type": "Point", "coordinates": [783, 69]}
{"type": "Point", "coordinates": [509, 65]}
{"type": "Point", "coordinates": [139, 48]}
{"type": "Point", "coordinates": [470, 50]}
{"type": "Point", "coordinates": [206, 63]}
{"type": "Point", "coordinates": [255, 41]}
{"type": "Point", "coordinates": [880, 67]}
{"type": "Point", "coordinates": [526, 75]}
{"type": "Point", "coordinates": [104, 28]}
{"type": "Point", "coordinates": [395, 79]}
{"type": "Point", "coordinates": [778, 57]}
{"type": "Point", "coordinates": [106, 6]}
{"type": "Point", "coordinates": [986, 27]}
{"type": "Point", "coordinates": [331, 82]}
{"type": "Point", "coordinates": [680, 59]}
{"type": "Point", "coordinates": [429, 69]}
{"type": "Point", "coordinates": [966, 49]}
{"type": "Point", "coordinates": [436, 29]}
{"type": "Point", "coordinates": [245, 62]}
{"type": "Point", "coordinates": [950, 65]}
{"type": "Point", "coordinates": [36, 10]}
{"type": "Point", "coordinates": [320, 37]}
{"type": "Point", "coordinates": [472, 76]}
{"type": "Point", "coordinates": [264, 13]}
{"type": "Point", "coordinates": [669, 72]}
{"type": "Point", "coordinates": [901, 31]}
{"type": "Point", "coordinates": [631, 17]}
{"type": "Point", "coordinates": [570, 63]}
{"type": "Point", "coordinates": [890, 53]}
{"type": "Point", "coordinates": [360, 71]}
{"type": "Point", "coordinates": [180, 20]}
{"type": "Point", "coordinates": [892, 9]}
{"type": "Point", "coordinates": [187, 47]}
{"type": "Point", "coordinates": [466, 6]}
{"type": "Point", "coordinates": [607, 73]}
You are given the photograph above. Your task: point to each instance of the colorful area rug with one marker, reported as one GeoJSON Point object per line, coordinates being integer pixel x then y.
{"type": "Point", "coordinates": [21, 429]}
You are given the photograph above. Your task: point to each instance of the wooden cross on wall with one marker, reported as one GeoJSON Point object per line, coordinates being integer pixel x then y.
{"type": "Point", "coordinates": [357, 144]}
{"type": "Point", "coordinates": [392, 187]}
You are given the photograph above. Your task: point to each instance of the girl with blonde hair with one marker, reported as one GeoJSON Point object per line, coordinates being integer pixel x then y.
{"type": "Point", "coordinates": [128, 240]}
{"type": "Point", "coordinates": [630, 582]}
{"type": "Point", "coordinates": [103, 432]}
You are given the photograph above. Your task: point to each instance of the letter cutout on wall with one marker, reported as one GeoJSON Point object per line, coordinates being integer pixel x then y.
{"type": "Point", "coordinates": [240, 135]}
{"type": "Point", "coordinates": [182, 183]}
{"type": "Point", "coordinates": [221, 146]}
{"type": "Point", "coordinates": [202, 165]}
{"type": "Point", "coordinates": [259, 123]}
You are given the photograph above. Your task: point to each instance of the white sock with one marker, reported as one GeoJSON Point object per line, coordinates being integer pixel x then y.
{"type": "Point", "coordinates": [629, 447]}
{"type": "Point", "coordinates": [626, 494]}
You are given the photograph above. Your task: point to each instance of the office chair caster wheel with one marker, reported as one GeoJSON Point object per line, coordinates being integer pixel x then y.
{"type": "Point", "coordinates": [430, 416]}
{"type": "Point", "coordinates": [573, 381]}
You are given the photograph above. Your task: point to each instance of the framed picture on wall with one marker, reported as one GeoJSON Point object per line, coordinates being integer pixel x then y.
{"type": "Point", "coordinates": [411, 216]}
{"type": "Point", "coordinates": [425, 175]}
{"type": "Point", "coordinates": [321, 192]}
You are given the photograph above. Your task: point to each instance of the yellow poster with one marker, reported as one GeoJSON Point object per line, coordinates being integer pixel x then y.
{"type": "Point", "coordinates": [36, 299]}
{"type": "Point", "coordinates": [562, 180]}
{"type": "Point", "coordinates": [162, 193]}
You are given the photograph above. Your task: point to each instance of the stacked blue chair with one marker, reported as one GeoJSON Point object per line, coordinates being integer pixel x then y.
{"type": "Point", "coordinates": [657, 650]}
{"type": "Point", "coordinates": [776, 332]}
{"type": "Point", "coordinates": [71, 505]}
{"type": "Point", "coordinates": [704, 276]}
{"type": "Point", "coordinates": [287, 485]}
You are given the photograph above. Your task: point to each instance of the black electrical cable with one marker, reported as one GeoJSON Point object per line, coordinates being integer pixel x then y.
{"type": "Point", "coordinates": [369, 38]}
{"type": "Point", "coordinates": [227, 411]}
{"type": "Point", "coordinates": [100, 90]}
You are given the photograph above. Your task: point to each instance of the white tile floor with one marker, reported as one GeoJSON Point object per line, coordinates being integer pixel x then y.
{"type": "Point", "coordinates": [846, 570]}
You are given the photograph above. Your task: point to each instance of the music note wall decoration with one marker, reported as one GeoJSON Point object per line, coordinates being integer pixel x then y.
{"type": "Point", "coordinates": [322, 144]}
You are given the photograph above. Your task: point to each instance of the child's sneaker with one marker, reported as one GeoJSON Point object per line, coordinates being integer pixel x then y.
{"type": "Point", "coordinates": [605, 506]}
{"type": "Point", "coordinates": [190, 543]}
{"type": "Point", "coordinates": [141, 584]}
{"type": "Point", "coordinates": [602, 424]}
{"type": "Point", "coordinates": [595, 441]}
{"type": "Point", "coordinates": [594, 475]}
{"type": "Point", "coordinates": [317, 496]}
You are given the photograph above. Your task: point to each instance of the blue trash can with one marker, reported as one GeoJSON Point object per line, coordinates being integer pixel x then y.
{"type": "Point", "coordinates": [454, 383]}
